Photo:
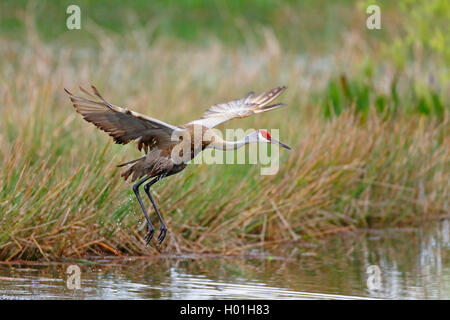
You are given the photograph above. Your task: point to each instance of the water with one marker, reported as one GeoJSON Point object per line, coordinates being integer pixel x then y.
{"type": "Point", "coordinates": [414, 264]}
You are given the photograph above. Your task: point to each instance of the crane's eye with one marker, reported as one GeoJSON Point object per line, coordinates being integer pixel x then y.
{"type": "Point", "coordinates": [265, 134]}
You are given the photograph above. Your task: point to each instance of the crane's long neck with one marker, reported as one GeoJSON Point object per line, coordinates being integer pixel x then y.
{"type": "Point", "coordinates": [221, 144]}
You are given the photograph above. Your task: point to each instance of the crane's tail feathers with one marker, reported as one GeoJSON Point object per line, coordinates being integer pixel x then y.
{"type": "Point", "coordinates": [136, 169]}
{"type": "Point", "coordinates": [130, 162]}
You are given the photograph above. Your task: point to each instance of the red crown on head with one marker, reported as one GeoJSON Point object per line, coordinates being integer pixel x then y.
{"type": "Point", "coordinates": [265, 134]}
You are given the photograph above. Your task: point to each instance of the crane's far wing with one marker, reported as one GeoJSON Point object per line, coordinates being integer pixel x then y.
{"type": "Point", "coordinates": [241, 108]}
{"type": "Point", "coordinates": [120, 123]}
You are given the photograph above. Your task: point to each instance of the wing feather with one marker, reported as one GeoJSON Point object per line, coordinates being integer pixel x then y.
{"type": "Point", "coordinates": [240, 108]}
{"type": "Point", "coordinates": [120, 123]}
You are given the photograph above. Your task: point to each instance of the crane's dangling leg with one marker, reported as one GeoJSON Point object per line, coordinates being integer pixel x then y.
{"type": "Point", "coordinates": [151, 229]}
{"type": "Point", "coordinates": [163, 227]}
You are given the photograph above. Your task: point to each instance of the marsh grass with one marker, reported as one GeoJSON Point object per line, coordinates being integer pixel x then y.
{"type": "Point", "coordinates": [61, 192]}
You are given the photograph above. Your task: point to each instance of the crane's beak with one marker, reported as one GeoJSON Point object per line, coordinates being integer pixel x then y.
{"type": "Point", "coordinates": [280, 143]}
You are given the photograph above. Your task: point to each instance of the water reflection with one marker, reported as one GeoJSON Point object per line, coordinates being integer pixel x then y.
{"type": "Point", "coordinates": [414, 263]}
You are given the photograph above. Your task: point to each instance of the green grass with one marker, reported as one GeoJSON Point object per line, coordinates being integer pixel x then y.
{"type": "Point", "coordinates": [370, 140]}
{"type": "Point", "coordinates": [361, 93]}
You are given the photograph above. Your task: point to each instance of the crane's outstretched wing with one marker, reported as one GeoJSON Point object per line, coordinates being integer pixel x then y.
{"type": "Point", "coordinates": [241, 108]}
{"type": "Point", "coordinates": [120, 123]}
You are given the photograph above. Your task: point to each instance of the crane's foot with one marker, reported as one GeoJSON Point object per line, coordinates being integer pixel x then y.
{"type": "Point", "coordinates": [148, 237]}
{"type": "Point", "coordinates": [162, 234]}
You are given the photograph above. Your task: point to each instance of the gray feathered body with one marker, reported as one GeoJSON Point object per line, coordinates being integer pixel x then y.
{"type": "Point", "coordinates": [160, 160]}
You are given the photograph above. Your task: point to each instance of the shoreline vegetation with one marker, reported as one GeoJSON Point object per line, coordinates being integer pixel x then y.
{"type": "Point", "coordinates": [370, 144]}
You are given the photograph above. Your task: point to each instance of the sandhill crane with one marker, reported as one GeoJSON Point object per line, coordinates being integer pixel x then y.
{"type": "Point", "coordinates": [155, 137]}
